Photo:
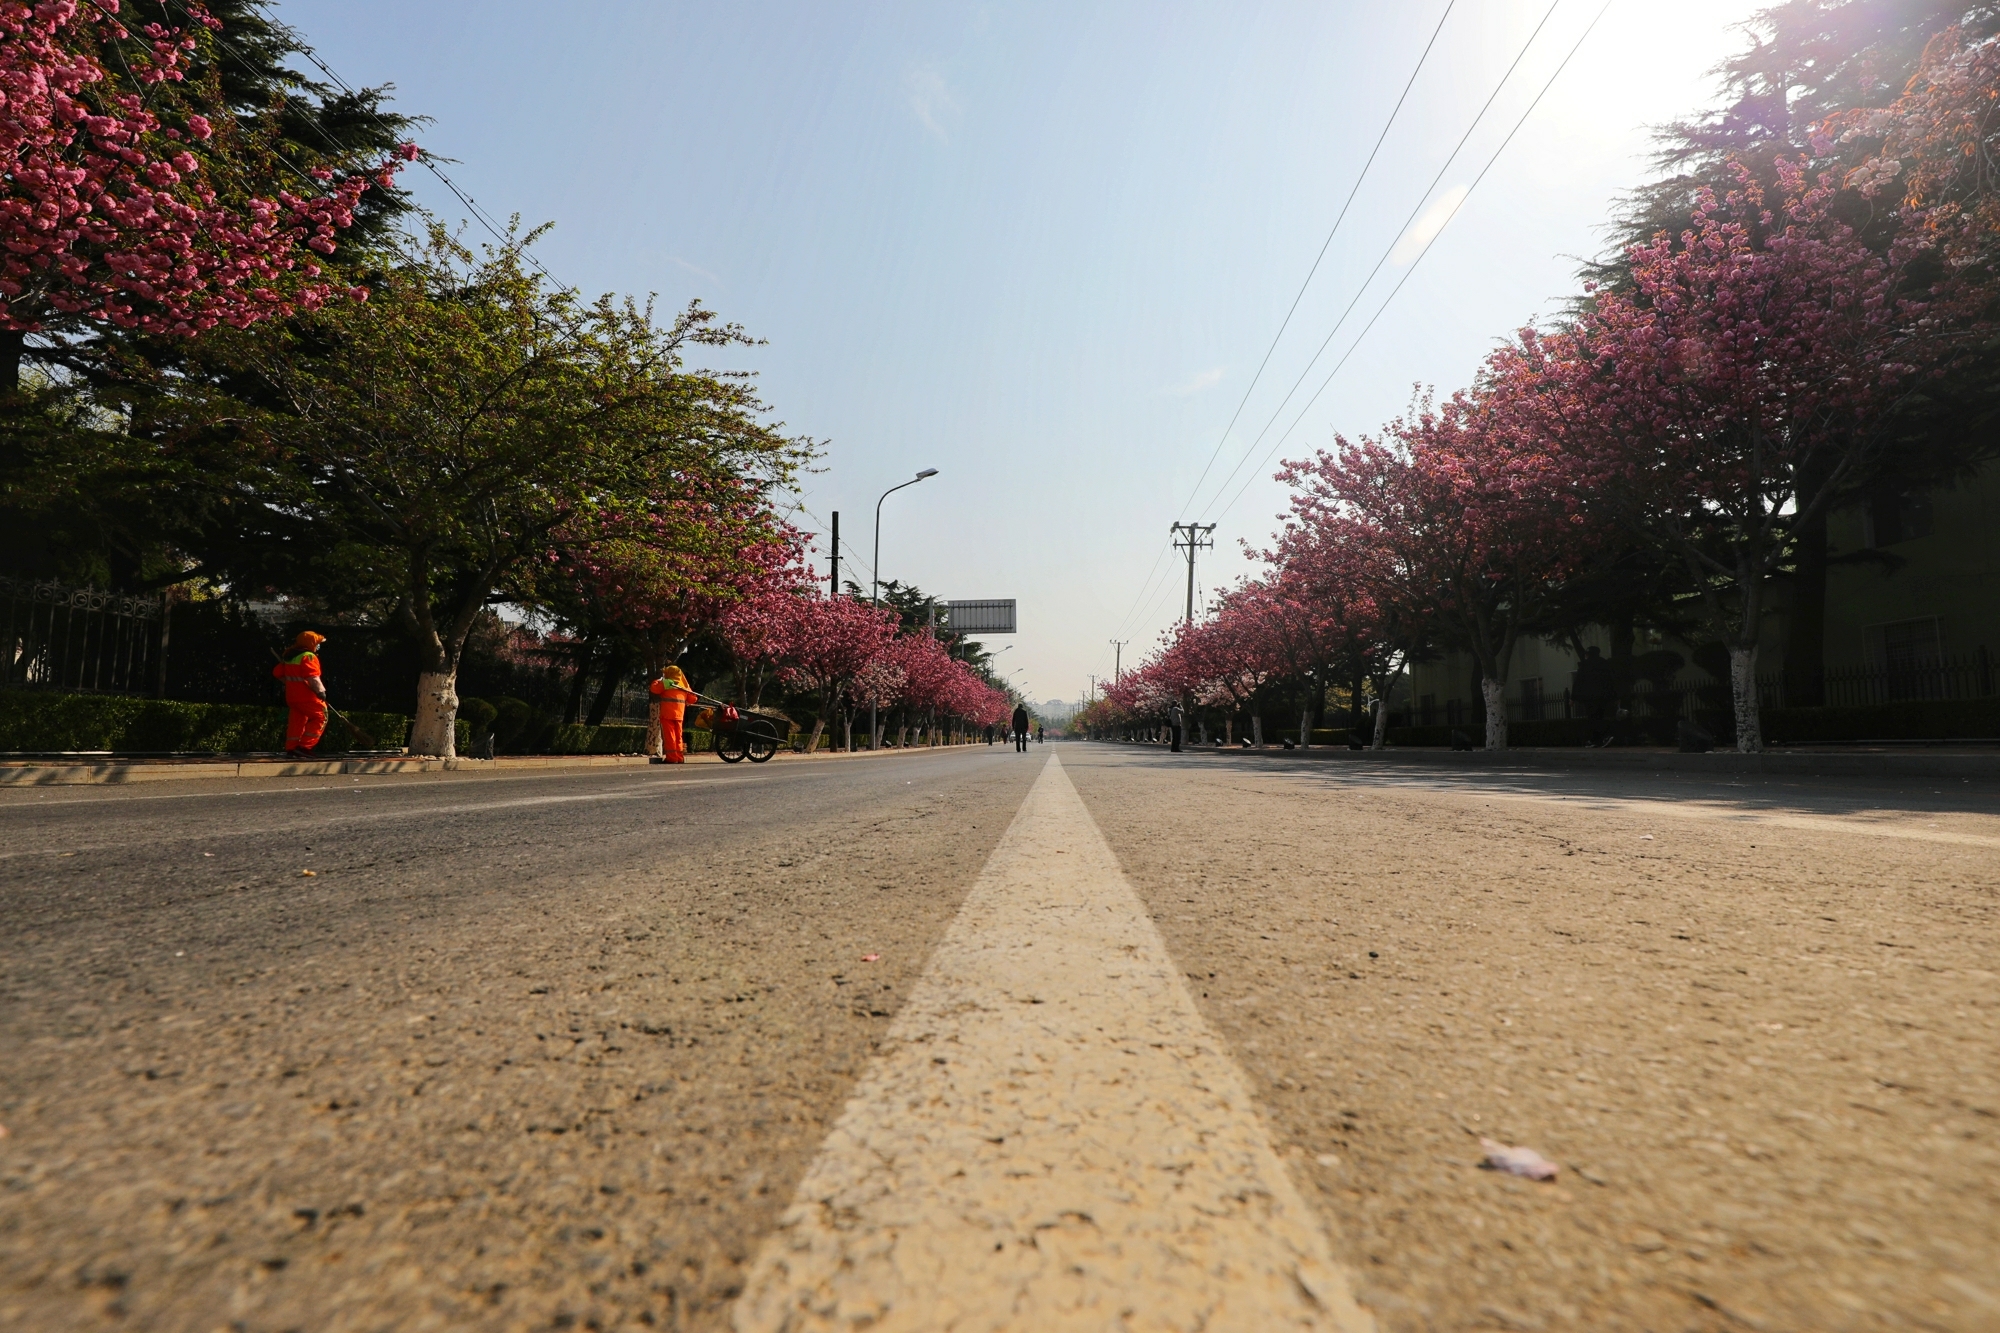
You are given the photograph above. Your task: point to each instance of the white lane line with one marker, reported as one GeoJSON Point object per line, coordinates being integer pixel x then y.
{"type": "Point", "coordinates": [1051, 1138]}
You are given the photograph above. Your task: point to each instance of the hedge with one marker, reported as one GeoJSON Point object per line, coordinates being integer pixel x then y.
{"type": "Point", "coordinates": [1911, 720]}
{"type": "Point", "coordinates": [31, 720]}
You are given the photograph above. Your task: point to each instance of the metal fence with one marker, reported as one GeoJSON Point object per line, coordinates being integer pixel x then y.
{"type": "Point", "coordinates": [79, 639]}
{"type": "Point", "coordinates": [1948, 679]}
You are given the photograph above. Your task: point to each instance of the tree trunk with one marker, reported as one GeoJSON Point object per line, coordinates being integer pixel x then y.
{"type": "Point", "coordinates": [847, 729]}
{"type": "Point", "coordinates": [586, 653]}
{"type": "Point", "coordinates": [1493, 693]}
{"type": "Point", "coordinates": [1805, 626]}
{"type": "Point", "coordinates": [1229, 732]}
{"type": "Point", "coordinates": [614, 673]}
{"type": "Point", "coordinates": [1743, 696]}
{"type": "Point", "coordinates": [1305, 727]}
{"type": "Point", "coordinates": [13, 351]}
{"type": "Point", "coordinates": [435, 730]}
{"type": "Point", "coordinates": [812, 742]}
{"type": "Point", "coordinates": [1257, 730]}
{"type": "Point", "coordinates": [1381, 725]}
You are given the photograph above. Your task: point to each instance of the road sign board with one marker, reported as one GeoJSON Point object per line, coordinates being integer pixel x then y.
{"type": "Point", "coordinates": [993, 616]}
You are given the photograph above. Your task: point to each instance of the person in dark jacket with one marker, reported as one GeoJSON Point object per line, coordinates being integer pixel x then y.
{"type": "Point", "coordinates": [1020, 728]}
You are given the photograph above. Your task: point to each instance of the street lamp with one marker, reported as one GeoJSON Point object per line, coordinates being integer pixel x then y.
{"type": "Point", "coordinates": [875, 582]}
{"type": "Point", "coordinates": [875, 589]}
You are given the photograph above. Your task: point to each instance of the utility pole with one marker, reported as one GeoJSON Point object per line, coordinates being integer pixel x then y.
{"type": "Point", "coordinates": [833, 578]}
{"type": "Point", "coordinates": [1117, 657]}
{"type": "Point", "coordinates": [1192, 537]}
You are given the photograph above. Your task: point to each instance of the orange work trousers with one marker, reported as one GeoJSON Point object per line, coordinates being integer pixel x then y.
{"type": "Point", "coordinates": [304, 724]}
{"type": "Point", "coordinates": [672, 744]}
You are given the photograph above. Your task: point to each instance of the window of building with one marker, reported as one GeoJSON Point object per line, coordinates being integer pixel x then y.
{"type": "Point", "coordinates": [1910, 656]}
{"type": "Point", "coordinates": [1895, 516]}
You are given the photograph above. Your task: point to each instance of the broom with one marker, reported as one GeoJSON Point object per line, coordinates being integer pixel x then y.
{"type": "Point", "coordinates": [354, 734]}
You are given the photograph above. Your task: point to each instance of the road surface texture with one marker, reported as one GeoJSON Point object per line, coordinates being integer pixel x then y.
{"type": "Point", "coordinates": [609, 1050]}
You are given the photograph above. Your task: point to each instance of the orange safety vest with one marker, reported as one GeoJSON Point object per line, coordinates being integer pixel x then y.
{"type": "Point", "coordinates": [295, 672]}
{"type": "Point", "coordinates": [673, 699]}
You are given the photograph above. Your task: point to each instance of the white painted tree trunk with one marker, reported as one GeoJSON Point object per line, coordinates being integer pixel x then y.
{"type": "Point", "coordinates": [1257, 730]}
{"type": "Point", "coordinates": [1381, 725]}
{"type": "Point", "coordinates": [1743, 695]}
{"type": "Point", "coordinates": [1494, 692]}
{"type": "Point", "coordinates": [1305, 729]}
{"type": "Point", "coordinates": [435, 731]}
{"type": "Point", "coordinates": [656, 734]}
{"type": "Point", "coordinates": [847, 731]}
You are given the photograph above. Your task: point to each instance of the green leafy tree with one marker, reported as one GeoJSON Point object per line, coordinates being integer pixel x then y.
{"type": "Point", "coordinates": [423, 454]}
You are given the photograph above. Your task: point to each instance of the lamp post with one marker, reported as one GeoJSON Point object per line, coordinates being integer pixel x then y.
{"type": "Point", "coordinates": [875, 581]}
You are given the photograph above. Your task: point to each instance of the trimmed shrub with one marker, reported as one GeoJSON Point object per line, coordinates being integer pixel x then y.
{"type": "Point", "coordinates": [1547, 732]}
{"type": "Point", "coordinates": [31, 720]}
{"type": "Point", "coordinates": [1333, 736]}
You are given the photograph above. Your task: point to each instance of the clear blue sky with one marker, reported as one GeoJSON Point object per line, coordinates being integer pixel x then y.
{"type": "Point", "coordinates": [1043, 247]}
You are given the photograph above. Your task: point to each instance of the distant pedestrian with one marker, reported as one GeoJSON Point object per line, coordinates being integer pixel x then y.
{"type": "Point", "coordinates": [1177, 724]}
{"type": "Point", "coordinates": [305, 694]}
{"type": "Point", "coordinates": [1038, 733]}
{"type": "Point", "coordinates": [989, 733]}
{"type": "Point", "coordinates": [1020, 720]}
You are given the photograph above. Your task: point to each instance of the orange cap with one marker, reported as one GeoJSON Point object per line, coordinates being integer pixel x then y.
{"type": "Point", "coordinates": [307, 641]}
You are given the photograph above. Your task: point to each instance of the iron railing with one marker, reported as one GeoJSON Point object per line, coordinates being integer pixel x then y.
{"type": "Point", "coordinates": [78, 639]}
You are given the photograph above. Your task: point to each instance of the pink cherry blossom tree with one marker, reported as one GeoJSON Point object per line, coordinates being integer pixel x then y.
{"type": "Point", "coordinates": [125, 201]}
{"type": "Point", "coordinates": [1733, 395]}
{"type": "Point", "coordinates": [833, 641]}
{"type": "Point", "coordinates": [1457, 532]}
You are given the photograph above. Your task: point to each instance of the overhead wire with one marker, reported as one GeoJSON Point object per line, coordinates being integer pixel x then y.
{"type": "Point", "coordinates": [1146, 585]}
{"type": "Point", "coordinates": [1422, 199]}
{"type": "Point", "coordinates": [1325, 245]}
{"type": "Point", "coordinates": [1360, 337]}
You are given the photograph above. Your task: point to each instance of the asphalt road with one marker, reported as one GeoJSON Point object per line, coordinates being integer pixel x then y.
{"type": "Point", "coordinates": [555, 1051]}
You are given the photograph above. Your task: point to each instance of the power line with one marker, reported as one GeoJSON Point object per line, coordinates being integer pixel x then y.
{"type": "Point", "coordinates": [1291, 311]}
{"type": "Point", "coordinates": [1321, 256]}
{"type": "Point", "coordinates": [1390, 249]}
{"type": "Point", "coordinates": [471, 204]}
{"type": "Point", "coordinates": [1549, 83]}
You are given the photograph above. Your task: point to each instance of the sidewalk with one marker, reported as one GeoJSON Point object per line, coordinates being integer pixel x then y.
{"type": "Point", "coordinates": [1936, 762]}
{"type": "Point", "coordinates": [93, 770]}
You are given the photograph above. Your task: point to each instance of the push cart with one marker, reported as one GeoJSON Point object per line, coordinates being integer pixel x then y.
{"type": "Point", "coordinates": [740, 733]}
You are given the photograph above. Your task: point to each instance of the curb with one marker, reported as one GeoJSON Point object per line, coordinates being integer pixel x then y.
{"type": "Point", "coordinates": [1982, 765]}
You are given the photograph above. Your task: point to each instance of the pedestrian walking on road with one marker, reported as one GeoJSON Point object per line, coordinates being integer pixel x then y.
{"type": "Point", "coordinates": [1020, 729]}
{"type": "Point", "coordinates": [1038, 733]}
{"type": "Point", "coordinates": [1177, 723]}
{"type": "Point", "coordinates": [305, 694]}
{"type": "Point", "coordinates": [674, 694]}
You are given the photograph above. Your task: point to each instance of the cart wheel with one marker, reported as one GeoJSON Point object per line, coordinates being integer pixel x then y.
{"type": "Point", "coordinates": [731, 748]}
{"type": "Point", "coordinates": [761, 743]}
